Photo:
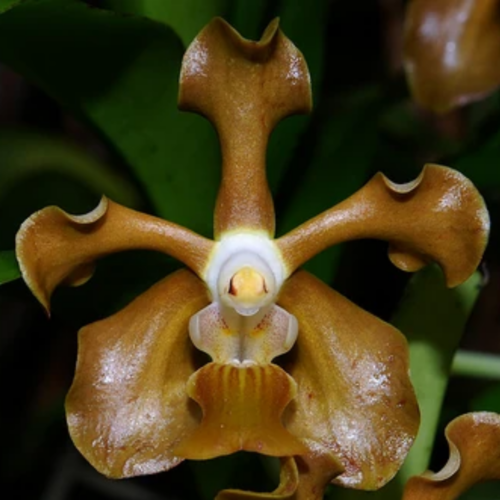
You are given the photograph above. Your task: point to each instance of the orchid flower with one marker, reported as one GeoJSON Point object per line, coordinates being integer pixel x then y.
{"type": "Point", "coordinates": [340, 405]}
{"type": "Point", "coordinates": [474, 442]}
{"type": "Point", "coordinates": [452, 51]}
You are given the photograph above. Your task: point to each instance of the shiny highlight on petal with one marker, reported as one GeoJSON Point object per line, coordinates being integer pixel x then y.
{"type": "Point", "coordinates": [244, 88]}
{"type": "Point", "coordinates": [355, 401]}
{"type": "Point", "coordinates": [440, 217]}
{"type": "Point", "coordinates": [127, 408]}
{"type": "Point", "coordinates": [452, 51]}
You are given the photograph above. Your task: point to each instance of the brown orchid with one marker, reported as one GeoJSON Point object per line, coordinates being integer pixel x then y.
{"type": "Point", "coordinates": [340, 405]}
{"type": "Point", "coordinates": [474, 441]}
{"type": "Point", "coordinates": [452, 51]}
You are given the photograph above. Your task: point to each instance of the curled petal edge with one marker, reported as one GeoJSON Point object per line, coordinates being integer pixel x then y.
{"type": "Point", "coordinates": [439, 217]}
{"type": "Point", "coordinates": [474, 442]}
{"type": "Point", "coordinates": [54, 247]}
{"type": "Point", "coordinates": [244, 88]}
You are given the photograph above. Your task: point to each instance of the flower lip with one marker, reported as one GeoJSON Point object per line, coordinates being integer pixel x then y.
{"type": "Point", "coordinates": [245, 273]}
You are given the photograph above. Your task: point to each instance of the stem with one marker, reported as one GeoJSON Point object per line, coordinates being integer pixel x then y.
{"type": "Point", "coordinates": [476, 365]}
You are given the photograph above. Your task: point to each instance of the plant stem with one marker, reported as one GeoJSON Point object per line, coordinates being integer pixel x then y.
{"type": "Point", "coordinates": [476, 365]}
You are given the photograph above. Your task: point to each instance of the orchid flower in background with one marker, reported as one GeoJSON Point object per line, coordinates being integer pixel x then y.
{"type": "Point", "coordinates": [452, 51]}
{"type": "Point", "coordinates": [340, 405]}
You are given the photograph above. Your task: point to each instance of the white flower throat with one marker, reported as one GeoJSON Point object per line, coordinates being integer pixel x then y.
{"type": "Point", "coordinates": [243, 325]}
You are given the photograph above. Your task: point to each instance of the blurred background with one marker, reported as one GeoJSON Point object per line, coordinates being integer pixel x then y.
{"type": "Point", "coordinates": [88, 106]}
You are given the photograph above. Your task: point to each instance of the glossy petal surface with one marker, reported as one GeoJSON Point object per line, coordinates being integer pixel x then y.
{"type": "Point", "coordinates": [128, 408]}
{"type": "Point", "coordinates": [438, 217]}
{"type": "Point", "coordinates": [474, 441]}
{"type": "Point", "coordinates": [244, 88]}
{"type": "Point", "coordinates": [354, 396]}
{"type": "Point", "coordinates": [242, 410]}
{"type": "Point", "coordinates": [54, 247]}
{"type": "Point", "coordinates": [452, 51]}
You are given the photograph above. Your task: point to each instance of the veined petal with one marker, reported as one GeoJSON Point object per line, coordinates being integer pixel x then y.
{"type": "Point", "coordinates": [439, 217]}
{"type": "Point", "coordinates": [54, 247]}
{"type": "Point", "coordinates": [128, 408]}
{"type": "Point", "coordinates": [452, 49]}
{"type": "Point", "coordinates": [242, 408]}
{"type": "Point", "coordinates": [244, 88]}
{"type": "Point", "coordinates": [354, 396]}
{"type": "Point", "coordinates": [474, 441]}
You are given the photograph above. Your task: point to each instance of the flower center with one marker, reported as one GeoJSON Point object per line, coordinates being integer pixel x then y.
{"type": "Point", "coordinates": [245, 273]}
{"type": "Point", "coordinates": [247, 287]}
{"type": "Point", "coordinates": [243, 325]}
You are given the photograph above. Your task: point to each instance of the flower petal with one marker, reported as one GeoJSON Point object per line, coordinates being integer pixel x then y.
{"type": "Point", "coordinates": [244, 88]}
{"type": "Point", "coordinates": [354, 396]}
{"type": "Point", "coordinates": [54, 247]}
{"type": "Point", "coordinates": [244, 339]}
{"type": "Point", "coordinates": [301, 478]}
{"type": "Point", "coordinates": [474, 441]}
{"type": "Point", "coordinates": [438, 217]}
{"type": "Point", "coordinates": [128, 407]}
{"type": "Point", "coordinates": [286, 490]}
{"type": "Point", "coordinates": [242, 408]}
{"type": "Point", "coordinates": [452, 49]}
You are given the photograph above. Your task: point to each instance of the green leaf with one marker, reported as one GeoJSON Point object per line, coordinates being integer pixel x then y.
{"type": "Point", "coordinates": [27, 153]}
{"type": "Point", "coordinates": [9, 270]}
{"type": "Point", "coordinates": [186, 17]}
{"type": "Point", "coordinates": [248, 17]}
{"type": "Point", "coordinates": [480, 164]}
{"type": "Point", "coordinates": [305, 23]}
{"type": "Point", "coordinates": [433, 318]}
{"type": "Point", "coordinates": [7, 4]}
{"type": "Point", "coordinates": [121, 74]}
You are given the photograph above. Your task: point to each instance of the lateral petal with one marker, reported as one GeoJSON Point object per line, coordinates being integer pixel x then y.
{"type": "Point", "coordinates": [54, 247]}
{"type": "Point", "coordinates": [354, 395]}
{"type": "Point", "coordinates": [128, 407]}
{"type": "Point", "coordinates": [439, 217]}
{"type": "Point", "coordinates": [452, 49]}
{"type": "Point", "coordinates": [244, 88]}
{"type": "Point", "coordinates": [474, 441]}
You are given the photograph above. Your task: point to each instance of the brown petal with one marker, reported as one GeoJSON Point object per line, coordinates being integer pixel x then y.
{"type": "Point", "coordinates": [128, 408]}
{"type": "Point", "coordinates": [242, 407]}
{"type": "Point", "coordinates": [438, 217]}
{"type": "Point", "coordinates": [354, 396]}
{"type": "Point", "coordinates": [474, 441]}
{"type": "Point", "coordinates": [286, 490]}
{"type": "Point", "coordinates": [301, 478]}
{"type": "Point", "coordinates": [244, 88]}
{"type": "Point", "coordinates": [317, 469]}
{"type": "Point", "coordinates": [55, 248]}
{"type": "Point", "coordinates": [452, 51]}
